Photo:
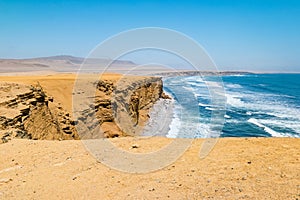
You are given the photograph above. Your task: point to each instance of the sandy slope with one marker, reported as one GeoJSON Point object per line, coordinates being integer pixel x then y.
{"type": "Point", "coordinates": [235, 169]}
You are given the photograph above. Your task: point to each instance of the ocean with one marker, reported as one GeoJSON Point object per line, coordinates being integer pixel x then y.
{"type": "Point", "coordinates": [256, 105]}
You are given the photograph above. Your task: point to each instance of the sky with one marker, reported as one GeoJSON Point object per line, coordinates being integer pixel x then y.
{"type": "Point", "coordinates": [258, 35]}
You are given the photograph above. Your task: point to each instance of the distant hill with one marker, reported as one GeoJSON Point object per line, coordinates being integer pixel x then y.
{"type": "Point", "coordinates": [60, 63]}
{"type": "Point", "coordinates": [67, 63]}
{"type": "Point", "coordinates": [79, 60]}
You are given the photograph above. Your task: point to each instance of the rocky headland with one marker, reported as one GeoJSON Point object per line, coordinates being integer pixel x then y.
{"type": "Point", "coordinates": [33, 109]}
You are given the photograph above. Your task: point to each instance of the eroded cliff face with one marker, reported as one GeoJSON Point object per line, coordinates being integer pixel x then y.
{"type": "Point", "coordinates": [122, 106]}
{"type": "Point", "coordinates": [121, 109]}
{"type": "Point", "coordinates": [132, 102]}
{"type": "Point", "coordinates": [27, 112]}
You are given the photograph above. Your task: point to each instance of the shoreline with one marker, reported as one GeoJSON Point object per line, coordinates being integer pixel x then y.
{"type": "Point", "coordinates": [236, 168]}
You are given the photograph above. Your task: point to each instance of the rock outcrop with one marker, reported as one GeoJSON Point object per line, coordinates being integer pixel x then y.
{"type": "Point", "coordinates": [120, 108]}
{"type": "Point", "coordinates": [132, 101]}
{"type": "Point", "coordinates": [27, 112]}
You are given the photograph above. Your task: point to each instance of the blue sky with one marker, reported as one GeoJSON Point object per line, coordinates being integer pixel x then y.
{"type": "Point", "coordinates": [241, 34]}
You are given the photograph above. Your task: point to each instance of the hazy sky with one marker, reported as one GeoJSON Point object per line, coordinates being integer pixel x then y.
{"type": "Point", "coordinates": [240, 34]}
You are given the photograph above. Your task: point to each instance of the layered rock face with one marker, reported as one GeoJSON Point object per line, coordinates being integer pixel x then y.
{"type": "Point", "coordinates": [27, 112]}
{"type": "Point", "coordinates": [132, 102]}
{"type": "Point", "coordinates": [120, 107]}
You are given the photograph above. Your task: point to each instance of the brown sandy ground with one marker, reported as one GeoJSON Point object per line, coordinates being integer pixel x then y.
{"type": "Point", "coordinates": [237, 168]}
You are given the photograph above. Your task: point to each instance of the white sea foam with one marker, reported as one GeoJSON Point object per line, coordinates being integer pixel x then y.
{"type": "Point", "coordinates": [259, 104]}
{"type": "Point", "coordinates": [248, 113]}
{"type": "Point", "coordinates": [284, 96]}
{"type": "Point", "coordinates": [213, 84]}
{"type": "Point", "coordinates": [174, 127]}
{"type": "Point", "coordinates": [210, 108]}
{"type": "Point", "coordinates": [285, 113]}
{"type": "Point", "coordinates": [204, 105]}
{"type": "Point", "coordinates": [203, 131]}
{"type": "Point", "coordinates": [194, 79]}
{"type": "Point", "coordinates": [189, 88]}
{"type": "Point", "coordinates": [293, 125]}
{"type": "Point", "coordinates": [175, 124]}
{"type": "Point", "coordinates": [202, 95]}
{"type": "Point", "coordinates": [158, 124]}
{"type": "Point", "coordinates": [265, 128]}
{"type": "Point", "coordinates": [234, 101]}
{"type": "Point", "coordinates": [233, 121]}
{"type": "Point", "coordinates": [197, 84]}
{"type": "Point", "coordinates": [235, 86]}
{"type": "Point", "coordinates": [227, 116]}
{"type": "Point", "coordinates": [186, 128]}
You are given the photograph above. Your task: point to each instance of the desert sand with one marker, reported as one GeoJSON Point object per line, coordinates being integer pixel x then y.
{"type": "Point", "coordinates": [236, 168]}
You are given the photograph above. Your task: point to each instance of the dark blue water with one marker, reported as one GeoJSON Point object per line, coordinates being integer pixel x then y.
{"type": "Point", "coordinates": [257, 105]}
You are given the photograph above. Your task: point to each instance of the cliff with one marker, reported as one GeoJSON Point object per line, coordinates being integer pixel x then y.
{"type": "Point", "coordinates": [121, 107]}
{"type": "Point", "coordinates": [132, 102]}
{"type": "Point", "coordinates": [27, 112]}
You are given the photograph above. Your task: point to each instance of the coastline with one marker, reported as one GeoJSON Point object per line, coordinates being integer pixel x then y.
{"type": "Point", "coordinates": [240, 168]}
{"type": "Point", "coordinates": [134, 94]}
